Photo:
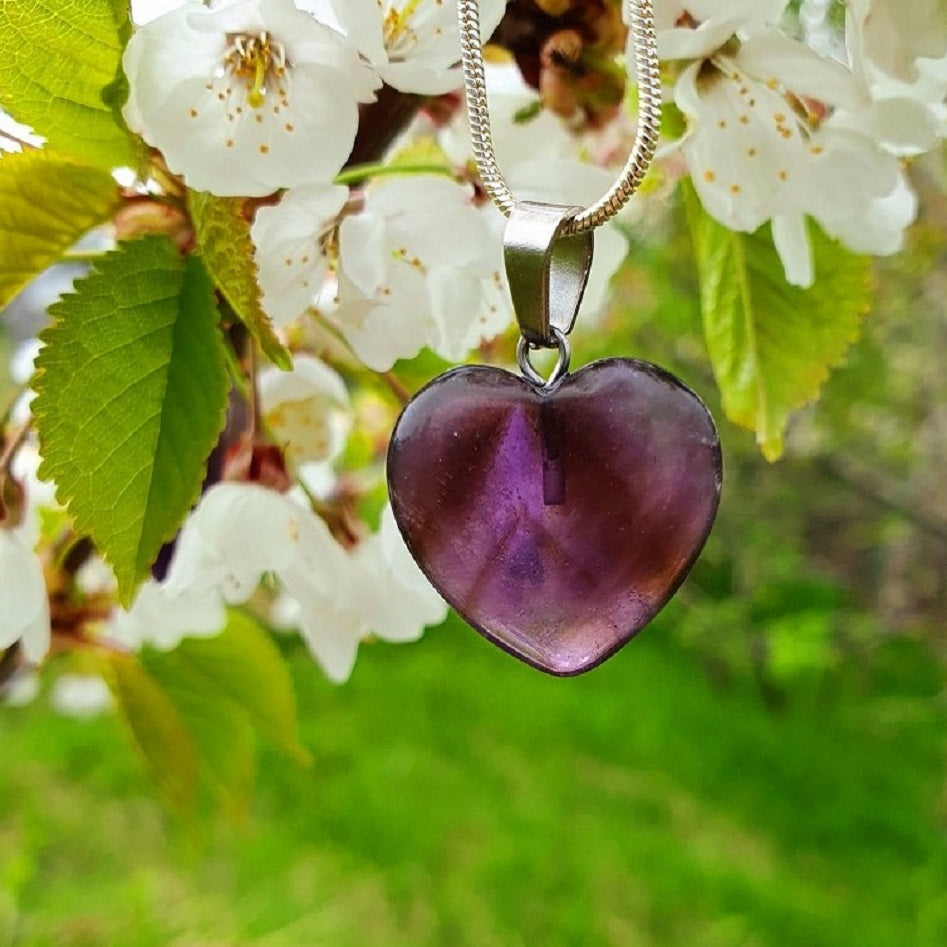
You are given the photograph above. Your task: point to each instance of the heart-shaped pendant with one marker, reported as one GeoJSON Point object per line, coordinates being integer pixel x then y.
{"type": "Point", "coordinates": [556, 520]}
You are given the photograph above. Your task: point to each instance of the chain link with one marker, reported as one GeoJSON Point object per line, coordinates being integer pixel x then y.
{"type": "Point", "coordinates": [641, 19]}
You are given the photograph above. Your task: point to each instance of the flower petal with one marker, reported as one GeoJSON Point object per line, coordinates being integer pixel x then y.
{"type": "Point", "coordinates": [162, 616]}
{"type": "Point", "coordinates": [398, 602]}
{"type": "Point", "coordinates": [191, 98]}
{"type": "Point", "coordinates": [287, 239]}
{"type": "Point", "coordinates": [795, 252]}
{"type": "Point", "coordinates": [418, 267]}
{"type": "Point", "coordinates": [696, 29]}
{"type": "Point", "coordinates": [24, 606]}
{"type": "Point", "coordinates": [773, 58]}
{"type": "Point", "coordinates": [80, 695]}
{"type": "Point", "coordinates": [236, 533]}
{"type": "Point", "coordinates": [413, 44]}
{"type": "Point", "coordinates": [306, 409]}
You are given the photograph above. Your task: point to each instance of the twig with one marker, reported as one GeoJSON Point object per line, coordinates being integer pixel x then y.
{"type": "Point", "coordinates": [396, 386]}
{"type": "Point", "coordinates": [83, 256]}
{"type": "Point", "coordinates": [362, 172]}
{"type": "Point", "coordinates": [381, 122]}
{"type": "Point", "coordinates": [253, 395]}
{"type": "Point", "coordinates": [13, 444]}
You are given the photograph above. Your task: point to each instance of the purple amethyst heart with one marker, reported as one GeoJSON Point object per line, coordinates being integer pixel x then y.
{"type": "Point", "coordinates": [559, 522]}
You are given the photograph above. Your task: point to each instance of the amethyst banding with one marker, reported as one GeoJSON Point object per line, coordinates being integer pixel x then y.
{"type": "Point", "coordinates": [556, 522]}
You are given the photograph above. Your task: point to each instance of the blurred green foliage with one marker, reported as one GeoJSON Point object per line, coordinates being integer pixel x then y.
{"type": "Point", "coordinates": [460, 798]}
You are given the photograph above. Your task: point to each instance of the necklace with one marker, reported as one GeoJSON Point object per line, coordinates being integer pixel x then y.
{"type": "Point", "coordinates": [556, 515]}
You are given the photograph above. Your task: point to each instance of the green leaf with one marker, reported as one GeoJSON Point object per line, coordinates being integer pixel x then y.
{"type": "Point", "coordinates": [195, 712]}
{"type": "Point", "coordinates": [227, 689]}
{"type": "Point", "coordinates": [115, 93]}
{"type": "Point", "coordinates": [131, 397]}
{"type": "Point", "coordinates": [771, 344]}
{"type": "Point", "coordinates": [157, 728]}
{"type": "Point", "coordinates": [56, 58]}
{"type": "Point", "coordinates": [46, 204]}
{"type": "Point", "coordinates": [219, 727]}
{"type": "Point", "coordinates": [243, 665]}
{"type": "Point", "coordinates": [121, 16]}
{"type": "Point", "coordinates": [223, 234]}
{"type": "Point", "coordinates": [526, 113]}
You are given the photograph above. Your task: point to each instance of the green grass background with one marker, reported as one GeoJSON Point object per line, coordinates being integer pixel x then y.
{"type": "Point", "coordinates": [458, 797]}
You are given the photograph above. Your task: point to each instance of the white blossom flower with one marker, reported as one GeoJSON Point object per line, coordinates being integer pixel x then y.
{"type": "Point", "coordinates": [307, 409]}
{"type": "Point", "coordinates": [80, 695]}
{"type": "Point", "coordinates": [696, 29]}
{"type": "Point", "coordinates": [419, 267]}
{"type": "Point", "coordinates": [162, 617]}
{"type": "Point", "coordinates": [904, 78]}
{"type": "Point", "coordinates": [236, 534]}
{"type": "Point", "coordinates": [247, 96]}
{"type": "Point", "coordinates": [414, 45]}
{"type": "Point", "coordinates": [240, 532]}
{"type": "Point", "coordinates": [898, 37]}
{"type": "Point", "coordinates": [399, 601]}
{"type": "Point", "coordinates": [289, 247]}
{"type": "Point", "coordinates": [542, 161]}
{"type": "Point", "coordinates": [24, 606]}
{"type": "Point", "coordinates": [24, 603]}
{"type": "Point", "coordinates": [762, 145]}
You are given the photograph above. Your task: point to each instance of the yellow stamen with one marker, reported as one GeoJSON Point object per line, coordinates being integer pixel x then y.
{"type": "Point", "coordinates": [396, 21]}
{"type": "Point", "coordinates": [255, 59]}
{"type": "Point", "coordinates": [255, 98]}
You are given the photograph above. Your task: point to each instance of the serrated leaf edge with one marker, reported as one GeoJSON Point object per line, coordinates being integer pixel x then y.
{"type": "Point", "coordinates": [82, 524]}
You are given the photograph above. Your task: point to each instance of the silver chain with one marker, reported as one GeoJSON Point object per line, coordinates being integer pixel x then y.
{"type": "Point", "coordinates": [641, 19]}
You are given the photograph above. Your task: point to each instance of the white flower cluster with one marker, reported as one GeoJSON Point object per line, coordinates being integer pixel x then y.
{"type": "Point", "coordinates": [258, 97]}
{"type": "Point", "coordinates": [252, 97]}
{"type": "Point", "coordinates": [778, 132]}
{"type": "Point", "coordinates": [240, 533]}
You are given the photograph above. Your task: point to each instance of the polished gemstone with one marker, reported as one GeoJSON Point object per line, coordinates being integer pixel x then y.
{"type": "Point", "coordinates": [559, 522]}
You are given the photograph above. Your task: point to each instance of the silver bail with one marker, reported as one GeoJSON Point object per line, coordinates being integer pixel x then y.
{"type": "Point", "coordinates": [547, 272]}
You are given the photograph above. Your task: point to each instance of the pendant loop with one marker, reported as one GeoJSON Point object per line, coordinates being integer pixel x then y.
{"type": "Point", "coordinates": [559, 370]}
{"type": "Point", "coordinates": [547, 272]}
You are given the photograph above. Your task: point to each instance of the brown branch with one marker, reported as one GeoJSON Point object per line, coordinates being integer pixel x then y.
{"type": "Point", "coordinates": [13, 444]}
{"type": "Point", "coordinates": [9, 663]}
{"type": "Point", "coordinates": [396, 386]}
{"type": "Point", "coordinates": [381, 122]}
